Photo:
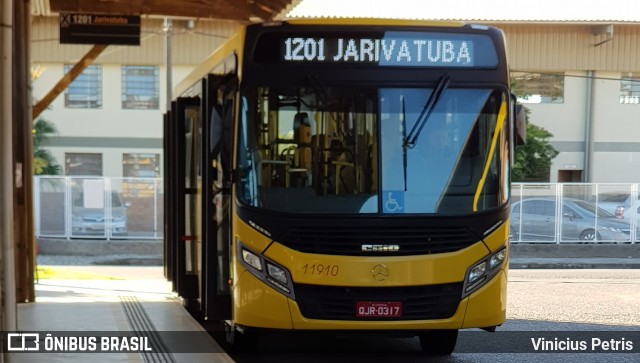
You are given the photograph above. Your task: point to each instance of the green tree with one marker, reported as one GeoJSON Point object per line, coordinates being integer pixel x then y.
{"type": "Point", "coordinates": [43, 162]}
{"type": "Point", "coordinates": [533, 159]}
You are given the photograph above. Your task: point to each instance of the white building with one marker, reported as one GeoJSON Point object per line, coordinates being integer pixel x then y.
{"type": "Point", "coordinates": [584, 77]}
{"type": "Point", "coordinates": [109, 120]}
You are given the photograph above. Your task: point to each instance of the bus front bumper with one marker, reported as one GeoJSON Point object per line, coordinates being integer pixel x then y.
{"type": "Point", "coordinates": [259, 305]}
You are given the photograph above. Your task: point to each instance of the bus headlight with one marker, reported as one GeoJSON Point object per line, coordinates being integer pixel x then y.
{"type": "Point", "coordinates": [251, 259]}
{"type": "Point", "coordinates": [277, 273]}
{"type": "Point", "coordinates": [483, 271]}
{"type": "Point", "coordinates": [497, 258]}
{"type": "Point", "coordinates": [273, 274]}
{"type": "Point", "coordinates": [477, 272]}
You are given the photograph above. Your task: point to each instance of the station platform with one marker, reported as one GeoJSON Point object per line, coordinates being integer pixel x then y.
{"type": "Point", "coordinates": [112, 300]}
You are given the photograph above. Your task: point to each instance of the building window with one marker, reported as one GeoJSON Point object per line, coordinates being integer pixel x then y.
{"type": "Point", "coordinates": [141, 165]}
{"type": "Point", "coordinates": [89, 164]}
{"type": "Point", "coordinates": [538, 87]}
{"type": "Point", "coordinates": [630, 89]}
{"type": "Point", "coordinates": [140, 87]}
{"type": "Point", "coordinates": [86, 90]}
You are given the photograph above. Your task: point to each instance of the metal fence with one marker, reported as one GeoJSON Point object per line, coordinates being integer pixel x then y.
{"type": "Point", "coordinates": [98, 207]}
{"type": "Point", "coordinates": [132, 208]}
{"type": "Point", "coordinates": [575, 213]}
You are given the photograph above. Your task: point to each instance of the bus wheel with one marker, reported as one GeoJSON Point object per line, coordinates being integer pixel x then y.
{"type": "Point", "coordinates": [240, 342]}
{"type": "Point", "coordinates": [438, 342]}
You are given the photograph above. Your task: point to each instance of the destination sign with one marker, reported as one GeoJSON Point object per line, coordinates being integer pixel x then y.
{"type": "Point", "coordinates": [99, 29]}
{"type": "Point", "coordinates": [400, 49]}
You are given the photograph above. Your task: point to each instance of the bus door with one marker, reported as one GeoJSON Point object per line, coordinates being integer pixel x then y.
{"type": "Point", "coordinates": [168, 167]}
{"type": "Point", "coordinates": [219, 109]}
{"type": "Point", "coordinates": [188, 199]}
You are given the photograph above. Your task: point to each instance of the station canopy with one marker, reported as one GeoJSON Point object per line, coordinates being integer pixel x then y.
{"type": "Point", "coordinates": [241, 10]}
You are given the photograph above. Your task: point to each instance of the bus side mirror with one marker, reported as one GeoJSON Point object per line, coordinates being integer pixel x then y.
{"type": "Point", "coordinates": [520, 124]}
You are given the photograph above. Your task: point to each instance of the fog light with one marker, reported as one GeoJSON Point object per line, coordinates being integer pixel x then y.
{"type": "Point", "coordinates": [277, 273]}
{"type": "Point", "coordinates": [252, 259]}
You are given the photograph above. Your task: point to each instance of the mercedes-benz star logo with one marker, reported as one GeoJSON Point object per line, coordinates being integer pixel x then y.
{"type": "Point", "coordinates": [380, 272]}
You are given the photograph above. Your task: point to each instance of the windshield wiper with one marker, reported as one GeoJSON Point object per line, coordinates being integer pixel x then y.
{"type": "Point", "coordinates": [410, 140]}
{"type": "Point", "coordinates": [404, 149]}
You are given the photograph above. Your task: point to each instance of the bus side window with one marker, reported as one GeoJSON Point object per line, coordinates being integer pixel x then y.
{"type": "Point", "coordinates": [221, 125]}
{"type": "Point", "coordinates": [216, 129]}
{"type": "Point", "coordinates": [227, 133]}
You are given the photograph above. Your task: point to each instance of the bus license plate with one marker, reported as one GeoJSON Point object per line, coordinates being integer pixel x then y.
{"type": "Point", "coordinates": [378, 309]}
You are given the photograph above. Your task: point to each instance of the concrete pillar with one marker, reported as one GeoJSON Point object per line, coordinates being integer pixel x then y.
{"type": "Point", "coordinates": [8, 317]}
{"type": "Point", "coordinates": [588, 136]}
{"type": "Point", "coordinates": [23, 154]}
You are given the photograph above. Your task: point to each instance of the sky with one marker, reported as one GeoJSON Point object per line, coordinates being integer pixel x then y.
{"type": "Point", "coordinates": [549, 10]}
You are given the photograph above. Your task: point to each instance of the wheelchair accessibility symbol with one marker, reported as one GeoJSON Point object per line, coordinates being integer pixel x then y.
{"type": "Point", "coordinates": [393, 202]}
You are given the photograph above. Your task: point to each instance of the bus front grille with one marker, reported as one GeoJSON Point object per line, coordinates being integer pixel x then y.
{"type": "Point", "coordinates": [377, 240]}
{"type": "Point", "coordinates": [339, 303]}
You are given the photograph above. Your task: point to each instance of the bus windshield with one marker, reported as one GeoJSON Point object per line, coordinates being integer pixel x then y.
{"type": "Point", "coordinates": [316, 149]}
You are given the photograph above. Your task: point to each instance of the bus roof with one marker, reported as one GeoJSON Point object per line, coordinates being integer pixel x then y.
{"type": "Point", "coordinates": [371, 21]}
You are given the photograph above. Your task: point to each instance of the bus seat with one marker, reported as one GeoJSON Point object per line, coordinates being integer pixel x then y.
{"type": "Point", "coordinates": [302, 128]}
{"type": "Point", "coordinates": [302, 136]}
{"type": "Point", "coordinates": [345, 177]}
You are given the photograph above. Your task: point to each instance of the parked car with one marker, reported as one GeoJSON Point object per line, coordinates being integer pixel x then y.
{"type": "Point", "coordinates": [94, 221]}
{"type": "Point", "coordinates": [535, 219]}
{"type": "Point", "coordinates": [619, 204]}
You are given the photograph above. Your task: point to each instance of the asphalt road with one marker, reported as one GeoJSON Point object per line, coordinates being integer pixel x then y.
{"type": "Point", "coordinates": [576, 306]}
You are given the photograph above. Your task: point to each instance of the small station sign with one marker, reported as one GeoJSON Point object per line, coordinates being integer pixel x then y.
{"type": "Point", "coordinates": [99, 29]}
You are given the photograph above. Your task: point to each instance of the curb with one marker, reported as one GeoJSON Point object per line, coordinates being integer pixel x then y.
{"type": "Point", "coordinates": [574, 263]}
{"type": "Point", "coordinates": [97, 247]}
{"type": "Point", "coordinates": [131, 261]}
{"type": "Point", "coordinates": [565, 251]}
{"type": "Point", "coordinates": [571, 266]}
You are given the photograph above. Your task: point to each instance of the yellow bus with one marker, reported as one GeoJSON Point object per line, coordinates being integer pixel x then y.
{"type": "Point", "coordinates": [343, 175]}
